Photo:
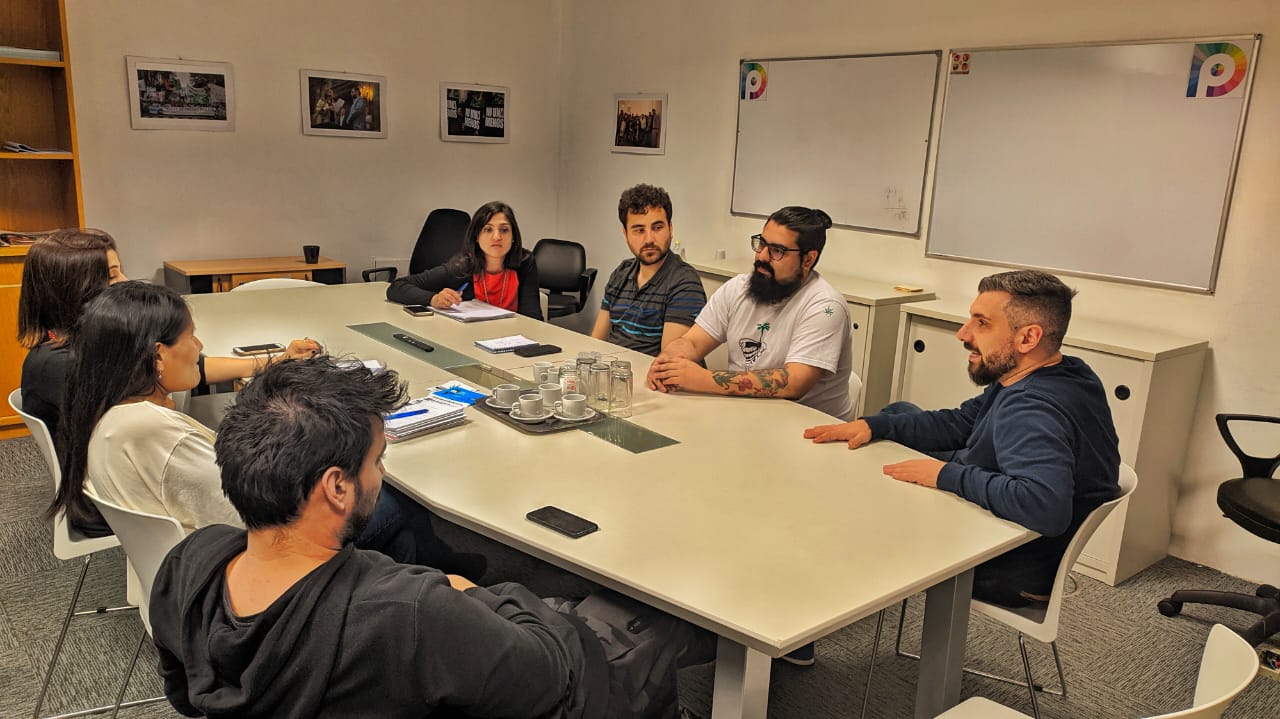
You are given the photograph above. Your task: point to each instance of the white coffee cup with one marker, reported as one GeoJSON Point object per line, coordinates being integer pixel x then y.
{"type": "Point", "coordinates": [530, 405]}
{"type": "Point", "coordinates": [551, 393]}
{"type": "Point", "coordinates": [540, 370]}
{"type": "Point", "coordinates": [506, 394]}
{"type": "Point", "coordinates": [573, 405]}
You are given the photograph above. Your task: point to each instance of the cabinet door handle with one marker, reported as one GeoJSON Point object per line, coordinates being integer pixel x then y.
{"type": "Point", "coordinates": [918, 345]}
{"type": "Point", "coordinates": [1122, 392]}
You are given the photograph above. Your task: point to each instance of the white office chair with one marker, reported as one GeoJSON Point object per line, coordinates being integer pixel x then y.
{"type": "Point", "coordinates": [146, 539]}
{"type": "Point", "coordinates": [1039, 621]}
{"type": "Point", "coordinates": [275, 283]}
{"type": "Point", "coordinates": [1228, 665]}
{"type": "Point", "coordinates": [68, 543]}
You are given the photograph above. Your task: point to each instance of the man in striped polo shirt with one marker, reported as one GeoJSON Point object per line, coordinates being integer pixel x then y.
{"type": "Point", "coordinates": [652, 298]}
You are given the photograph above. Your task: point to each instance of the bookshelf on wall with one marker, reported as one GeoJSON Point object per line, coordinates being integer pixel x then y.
{"type": "Point", "coordinates": [38, 190]}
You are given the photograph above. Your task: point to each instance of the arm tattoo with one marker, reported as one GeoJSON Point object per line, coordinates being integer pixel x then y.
{"type": "Point", "coordinates": [760, 383]}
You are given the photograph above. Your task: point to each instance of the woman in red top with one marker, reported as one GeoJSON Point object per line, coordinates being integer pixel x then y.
{"type": "Point", "coordinates": [493, 267]}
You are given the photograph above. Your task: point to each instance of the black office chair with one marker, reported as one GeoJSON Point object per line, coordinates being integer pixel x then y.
{"type": "Point", "coordinates": [563, 272]}
{"type": "Point", "coordinates": [1253, 502]}
{"type": "Point", "coordinates": [441, 237]}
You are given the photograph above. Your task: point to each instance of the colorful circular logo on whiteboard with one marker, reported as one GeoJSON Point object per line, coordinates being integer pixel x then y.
{"type": "Point", "coordinates": [1217, 68]}
{"type": "Point", "coordinates": [752, 81]}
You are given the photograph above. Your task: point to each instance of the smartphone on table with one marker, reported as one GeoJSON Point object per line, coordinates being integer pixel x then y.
{"type": "Point", "coordinates": [254, 350]}
{"type": "Point", "coordinates": [418, 310]}
{"type": "Point", "coordinates": [570, 525]}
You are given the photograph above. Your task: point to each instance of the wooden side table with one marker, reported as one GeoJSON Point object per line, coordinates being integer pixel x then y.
{"type": "Point", "coordinates": [203, 276]}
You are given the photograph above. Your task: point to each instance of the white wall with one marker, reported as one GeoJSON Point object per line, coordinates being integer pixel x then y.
{"type": "Point", "coordinates": [266, 189]}
{"type": "Point", "coordinates": [690, 51]}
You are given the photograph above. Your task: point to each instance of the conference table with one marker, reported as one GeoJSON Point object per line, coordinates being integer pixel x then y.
{"type": "Point", "coordinates": [741, 526]}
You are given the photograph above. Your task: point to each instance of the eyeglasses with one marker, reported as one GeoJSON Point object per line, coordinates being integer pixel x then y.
{"type": "Point", "coordinates": [776, 252]}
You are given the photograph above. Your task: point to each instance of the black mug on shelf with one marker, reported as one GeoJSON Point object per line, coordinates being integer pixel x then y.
{"type": "Point", "coordinates": [311, 254]}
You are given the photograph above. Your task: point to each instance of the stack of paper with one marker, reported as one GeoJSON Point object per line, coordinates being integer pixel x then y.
{"type": "Point", "coordinates": [474, 311]}
{"type": "Point", "coordinates": [422, 415]}
{"type": "Point", "coordinates": [504, 344]}
{"type": "Point", "coordinates": [442, 407]}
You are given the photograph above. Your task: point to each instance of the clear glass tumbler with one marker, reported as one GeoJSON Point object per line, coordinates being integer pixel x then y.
{"type": "Point", "coordinates": [620, 391]}
{"type": "Point", "coordinates": [598, 397]}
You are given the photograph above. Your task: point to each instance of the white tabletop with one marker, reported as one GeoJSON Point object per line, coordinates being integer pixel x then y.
{"type": "Point", "coordinates": [743, 527]}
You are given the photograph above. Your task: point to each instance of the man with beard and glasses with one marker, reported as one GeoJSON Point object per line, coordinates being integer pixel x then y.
{"type": "Point", "coordinates": [290, 619]}
{"type": "Point", "coordinates": [654, 297]}
{"type": "Point", "coordinates": [1037, 447]}
{"type": "Point", "coordinates": [787, 327]}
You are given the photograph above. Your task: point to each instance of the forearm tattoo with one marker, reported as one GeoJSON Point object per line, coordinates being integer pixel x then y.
{"type": "Point", "coordinates": [760, 383]}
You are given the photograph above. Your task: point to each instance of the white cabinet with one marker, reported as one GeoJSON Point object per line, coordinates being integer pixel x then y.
{"type": "Point", "coordinates": [1152, 381]}
{"type": "Point", "coordinates": [873, 325]}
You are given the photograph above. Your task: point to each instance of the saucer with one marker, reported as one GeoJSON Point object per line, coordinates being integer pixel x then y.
{"type": "Point", "coordinates": [540, 417]}
{"type": "Point", "coordinates": [591, 414]}
{"type": "Point", "coordinates": [494, 403]}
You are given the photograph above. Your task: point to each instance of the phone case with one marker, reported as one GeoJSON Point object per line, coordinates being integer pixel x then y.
{"type": "Point", "coordinates": [570, 525]}
{"type": "Point", "coordinates": [253, 351]}
{"type": "Point", "coordinates": [536, 350]}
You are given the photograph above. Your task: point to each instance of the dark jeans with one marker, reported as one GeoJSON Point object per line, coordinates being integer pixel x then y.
{"type": "Point", "coordinates": [401, 529]}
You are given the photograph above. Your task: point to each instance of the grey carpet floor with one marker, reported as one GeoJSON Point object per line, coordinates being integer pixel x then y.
{"type": "Point", "coordinates": [1121, 657]}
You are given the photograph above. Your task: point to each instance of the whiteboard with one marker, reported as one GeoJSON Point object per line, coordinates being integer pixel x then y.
{"type": "Point", "coordinates": [848, 135]}
{"type": "Point", "coordinates": [1110, 160]}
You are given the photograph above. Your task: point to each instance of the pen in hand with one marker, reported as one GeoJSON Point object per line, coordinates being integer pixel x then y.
{"type": "Point", "coordinates": [462, 289]}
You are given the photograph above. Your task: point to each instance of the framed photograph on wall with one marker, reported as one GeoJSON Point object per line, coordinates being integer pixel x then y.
{"type": "Point", "coordinates": [640, 124]}
{"type": "Point", "coordinates": [340, 104]}
{"type": "Point", "coordinates": [180, 94]}
{"type": "Point", "coordinates": [474, 113]}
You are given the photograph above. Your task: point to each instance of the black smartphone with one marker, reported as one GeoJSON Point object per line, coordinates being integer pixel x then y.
{"type": "Point", "coordinates": [570, 525]}
{"type": "Point", "coordinates": [418, 310]}
{"type": "Point", "coordinates": [251, 350]}
{"type": "Point", "coordinates": [536, 350]}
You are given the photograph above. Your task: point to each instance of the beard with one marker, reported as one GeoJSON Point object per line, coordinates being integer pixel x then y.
{"type": "Point", "coordinates": [764, 287]}
{"type": "Point", "coordinates": [662, 254]}
{"type": "Point", "coordinates": [359, 518]}
{"type": "Point", "coordinates": [992, 366]}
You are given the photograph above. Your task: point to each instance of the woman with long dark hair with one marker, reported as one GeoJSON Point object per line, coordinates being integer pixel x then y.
{"type": "Point", "coordinates": [493, 267]}
{"type": "Point", "coordinates": [62, 272]}
{"type": "Point", "coordinates": [132, 347]}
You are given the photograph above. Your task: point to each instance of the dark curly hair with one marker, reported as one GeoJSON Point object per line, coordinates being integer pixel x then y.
{"type": "Point", "coordinates": [636, 200]}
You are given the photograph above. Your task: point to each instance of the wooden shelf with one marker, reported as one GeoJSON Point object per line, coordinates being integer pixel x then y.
{"type": "Point", "coordinates": [39, 190]}
{"type": "Point", "coordinates": [6, 60]}
{"type": "Point", "coordinates": [36, 156]}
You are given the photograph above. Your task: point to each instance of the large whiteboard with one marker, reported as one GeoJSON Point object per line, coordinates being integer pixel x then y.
{"type": "Point", "coordinates": [1106, 160]}
{"type": "Point", "coordinates": [849, 135]}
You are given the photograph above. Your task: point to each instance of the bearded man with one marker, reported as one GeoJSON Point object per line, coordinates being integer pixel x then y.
{"type": "Point", "coordinates": [787, 327]}
{"type": "Point", "coordinates": [652, 298]}
{"type": "Point", "coordinates": [1037, 447]}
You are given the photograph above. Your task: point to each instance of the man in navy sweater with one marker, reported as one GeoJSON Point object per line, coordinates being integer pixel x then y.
{"type": "Point", "coordinates": [1037, 447]}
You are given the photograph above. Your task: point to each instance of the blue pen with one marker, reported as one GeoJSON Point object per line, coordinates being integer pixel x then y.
{"type": "Point", "coordinates": [409, 413]}
{"type": "Point", "coordinates": [464, 287]}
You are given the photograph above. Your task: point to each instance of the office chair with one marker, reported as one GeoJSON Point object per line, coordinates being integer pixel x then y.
{"type": "Point", "coordinates": [1253, 502]}
{"type": "Point", "coordinates": [441, 237]}
{"type": "Point", "coordinates": [562, 272]}
{"type": "Point", "coordinates": [146, 539]}
{"type": "Point", "coordinates": [68, 543]}
{"type": "Point", "coordinates": [1226, 668]}
{"type": "Point", "coordinates": [275, 283]}
{"type": "Point", "coordinates": [1039, 621]}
